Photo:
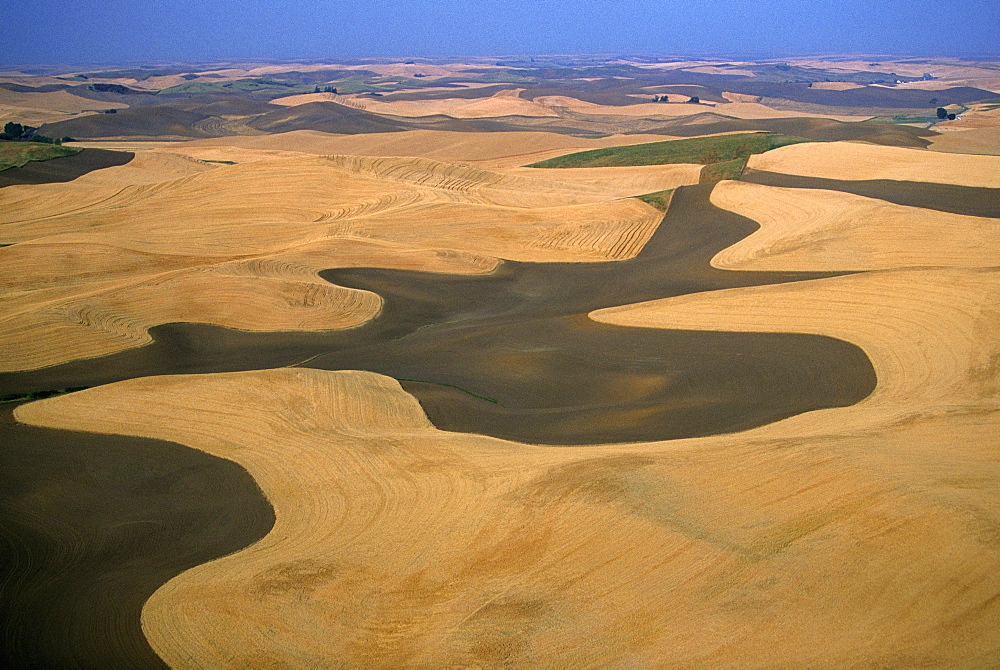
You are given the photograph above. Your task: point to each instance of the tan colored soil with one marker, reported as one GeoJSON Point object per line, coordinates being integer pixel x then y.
{"type": "Point", "coordinates": [449, 146]}
{"type": "Point", "coordinates": [396, 544]}
{"type": "Point", "coordinates": [835, 85]}
{"type": "Point", "coordinates": [170, 238]}
{"type": "Point", "coordinates": [715, 69]}
{"type": "Point", "coordinates": [35, 109]}
{"type": "Point", "coordinates": [812, 229]}
{"type": "Point", "coordinates": [976, 141]}
{"type": "Point", "coordinates": [855, 161]}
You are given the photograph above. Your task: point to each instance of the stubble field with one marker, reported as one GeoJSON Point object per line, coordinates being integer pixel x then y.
{"type": "Point", "coordinates": [389, 397]}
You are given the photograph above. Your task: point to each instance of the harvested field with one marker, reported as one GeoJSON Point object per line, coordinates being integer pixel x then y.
{"type": "Point", "coordinates": [91, 531]}
{"type": "Point", "coordinates": [388, 399]}
{"type": "Point", "coordinates": [860, 162]}
{"type": "Point", "coordinates": [810, 229]}
{"type": "Point", "coordinates": [901, 487]}
{"type": "Point", "coordinates": [502, 103]}
{"type": "Point", "coordinates": [264, 228]}
{"type": "Point", "coordinates": [65, 168]}
{"type": "Point", "coordinates": [514, 148]}
{"type": "Point", "coordinates": [835, 85]}
{"type": "Point", "coordinates": [970, 200]}
{"type": "Point", "coordinates": [55, 101]}
{"type": "Point", "coordinates": [984, 141]}
{"type": "Point", "coordinates": [504, 320]}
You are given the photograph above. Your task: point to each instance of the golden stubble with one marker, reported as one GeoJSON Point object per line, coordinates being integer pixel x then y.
{"type": "Point", "coordinates": [815, 229]}
{"type": "Point", "coordinates": [863, 536]}
{"type": "Point", "coordinates": [172, 238]}
{"type": "Point", "coordinates": [857, 161]}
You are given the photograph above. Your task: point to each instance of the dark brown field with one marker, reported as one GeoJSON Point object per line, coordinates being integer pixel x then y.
{"type": "Point", "coordinates": [64, 169]}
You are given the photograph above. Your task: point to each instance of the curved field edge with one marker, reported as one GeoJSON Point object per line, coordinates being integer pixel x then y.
{"type": "Point", "coordinates": [93, 524]}
{"type": "Point", "coordinates": [129, 270]}
{"type": "Point", "coordinates": [18, 154]}
{"type": "Point", "coordinates": [703, 150]}
{"type": "Point", "coordinates": [431, 547]}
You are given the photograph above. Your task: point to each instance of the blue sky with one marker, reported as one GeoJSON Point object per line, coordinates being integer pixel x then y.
{"type": "Point", "coordinates": [99, 31]}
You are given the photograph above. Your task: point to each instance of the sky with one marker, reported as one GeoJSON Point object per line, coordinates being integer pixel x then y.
{"type": "Point", "coordinates": [136, 31]}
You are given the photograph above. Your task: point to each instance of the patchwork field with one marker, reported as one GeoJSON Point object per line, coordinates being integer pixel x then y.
{"type": "Point", "coordinates": [490, 367]}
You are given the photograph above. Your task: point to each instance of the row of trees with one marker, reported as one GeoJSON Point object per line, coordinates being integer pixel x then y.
{"type": "Point", "coordinates": [326, 89]}
{"type": "Point", "coordinates": [694, 99]}
{"type": "Point", "coordinates": [15, 132]}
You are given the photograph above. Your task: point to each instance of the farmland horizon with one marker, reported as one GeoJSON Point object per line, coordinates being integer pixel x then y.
{"type": "Point", "coordinates": [543, 357]}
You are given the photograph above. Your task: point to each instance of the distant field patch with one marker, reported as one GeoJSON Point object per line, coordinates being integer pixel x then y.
{"type": "Point", "coordinates": [248, 85]}
{"type": "Point", "coordinates": [703, 150]}
{"type": "Point", "coordinates": [38, 395]}
{"type": "Point", "coordinates": [724, 170]}
{"type": "Point", "coordinates": [659, 199]}
{"type": "Point", "coordinates": [18, 154]}
{"type": "Point", "coordinates": [904, 118]}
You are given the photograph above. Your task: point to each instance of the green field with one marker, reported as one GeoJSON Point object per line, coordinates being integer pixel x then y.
{"type": "Point", "coordinates": [904, 118]}
{"type": "Point", "coordinates": [658, 199]}
{"type": "Point", "coordinates": [16, 154]}
{"type": "Point", "coordinates": [723, 170]}
{"type": "Point", "coordinates": [273, 87]}
{"type": "Point", "coordinates": [703, 150]}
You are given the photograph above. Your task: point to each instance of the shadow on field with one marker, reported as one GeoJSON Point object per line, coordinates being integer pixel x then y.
{"type": "Point", "coordinates": [92, 525]}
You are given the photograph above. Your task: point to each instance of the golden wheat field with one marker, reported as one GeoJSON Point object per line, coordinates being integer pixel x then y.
{"type": "Point", "coordinates": [861, 533]}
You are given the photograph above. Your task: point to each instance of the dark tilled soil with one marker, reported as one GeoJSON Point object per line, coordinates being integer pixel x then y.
{"type": "Point", "coordinates": [520, 336]}
{"type": "Point", "coordinates": [66, 168]}
{"type": "Point", "coordinates": [91, 525]}
{"type": "Point", "coordinates": [970, 200]}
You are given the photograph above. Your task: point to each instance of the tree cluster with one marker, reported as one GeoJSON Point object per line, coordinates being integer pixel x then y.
{"type": "Point", "coordinates": [943, 114]}
{"type": "Point", "coordinates": [15, 132]}
{"type": "Point", "coordinates": [111, 88]}
{"type": "Point", "coordinates": [326, 89]}
{"type": "Point", "coordinates": [694, 99]}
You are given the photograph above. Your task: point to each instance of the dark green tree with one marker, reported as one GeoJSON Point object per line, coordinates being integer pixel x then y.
{"type": "Point", "coordinates": [13, 131]}
{"type": "Point", "coordinates": [695, 99]}
{"type": "Point", "coordinates": [942, 113]}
